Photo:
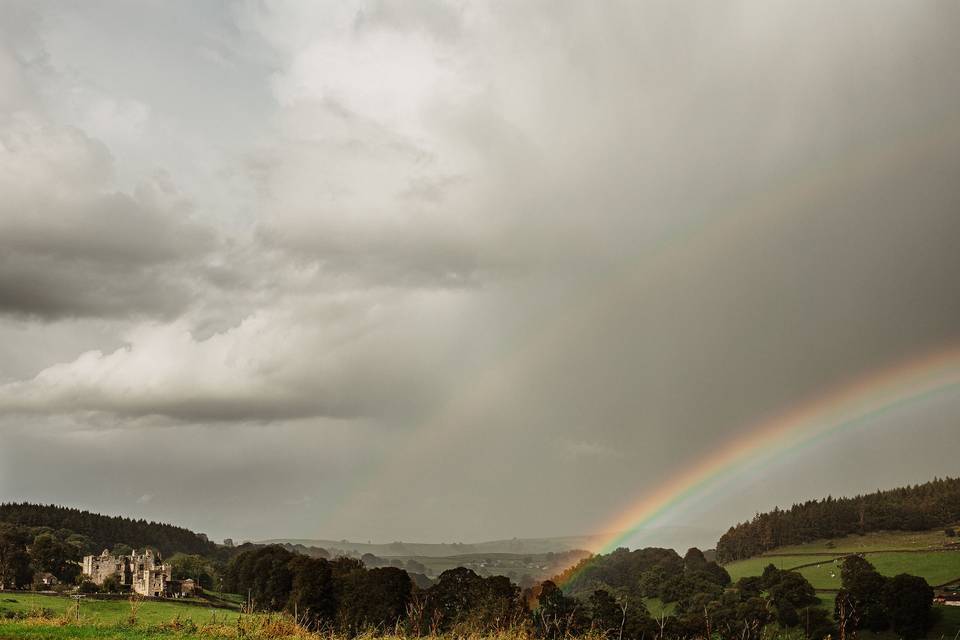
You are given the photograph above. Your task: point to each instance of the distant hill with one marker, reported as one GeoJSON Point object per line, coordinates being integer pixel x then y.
{"type": "Point", "coordinates": [106, 531]}
{"type": "Point", "coordinates": [915, 508]}
{"type": "Point", "coordinates": [443, 550]}
{"type": "Point", "coordinates": [677, 537]}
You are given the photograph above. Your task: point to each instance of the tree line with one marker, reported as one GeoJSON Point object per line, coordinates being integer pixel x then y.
{"type": "Point", "coordinates": [646, 573]}
{"type": "Point", "coordinates": [705, 602]}
{"type": "Point", "coordinates": [27, 554]}
{"type": "Point", "coordinates": [913, 508]}
{"type": "Point", "coordinates": [104, 532]}
{"type": "Point", "coordinates": [342, 595]}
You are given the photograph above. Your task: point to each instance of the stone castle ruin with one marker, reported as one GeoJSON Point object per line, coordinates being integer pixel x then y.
{"type": "Point", "coordinates": [142, 572]}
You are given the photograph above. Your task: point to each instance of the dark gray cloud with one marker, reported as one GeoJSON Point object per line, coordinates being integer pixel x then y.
{"type": "Point", "coordinates": [516, 264]}
{"type": "Point", "coordinates": [71, 246]}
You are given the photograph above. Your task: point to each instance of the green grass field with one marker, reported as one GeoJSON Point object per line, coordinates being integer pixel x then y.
{"type": "Point", "coordinates": [25, 631]}
{"type": "Point", "coordinates": [755, 566]}
{"type": "Point", "coordinates": [105, 612]}
{"type": "Point", "coordinates": [876, 541]}
{"type": "Point", "coordinates": [937, 567]}
{"type": "Point", "coordinates": [825, 575]}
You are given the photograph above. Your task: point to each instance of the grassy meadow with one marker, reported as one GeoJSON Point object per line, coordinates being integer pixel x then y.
{"type": "Point", "coordinates": [891, 552]}
{"type": "Point", "coordinates": [875, 541]}
{"type": "Point", "coordinates": [162, 620]}
{"type": "Point", "coordinates": [108, 612]}
{"type": "Point", "coordinates": [936, 567]}
{"type": "Point", "coordinates": [754, 566]}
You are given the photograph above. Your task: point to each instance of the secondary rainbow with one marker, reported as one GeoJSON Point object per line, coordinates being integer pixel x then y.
{"type": "Point", "coordinates": [848, 406]}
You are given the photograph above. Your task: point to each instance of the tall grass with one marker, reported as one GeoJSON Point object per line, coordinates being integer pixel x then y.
{"type": "Point", "coordinates": [42, 623]}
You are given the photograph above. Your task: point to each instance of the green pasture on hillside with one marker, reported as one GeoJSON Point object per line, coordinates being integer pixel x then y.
{"type": "Point", "coordinates": [937, 567]}
{"type": "Point", "coordinates": [823, 572]}
{"type": "Point", "coordinates": [825, 575]}
{"type": "Point", "coordinates": [755, 566]}
{"type": "Point", "coordinates": [875, 541]}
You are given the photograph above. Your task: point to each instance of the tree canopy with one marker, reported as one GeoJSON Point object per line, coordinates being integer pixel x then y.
{"type": "Point", "coordinates": [915, 508]}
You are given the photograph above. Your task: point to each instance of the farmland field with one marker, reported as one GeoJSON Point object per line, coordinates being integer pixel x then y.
{"type": "Point", "coordinates": [755, 566]}
{"type": "Point", "coordinates": [825, 575]}
{"type": "Point", "coordinates": [937, 567]}
{"type": "Point", "coordinates": [113, 611]}
{"type": "Point", "coordinates": [876, 541]}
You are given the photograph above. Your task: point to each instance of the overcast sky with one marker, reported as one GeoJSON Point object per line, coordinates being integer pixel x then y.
{"type": "Point", "coordinates": [437, 271]}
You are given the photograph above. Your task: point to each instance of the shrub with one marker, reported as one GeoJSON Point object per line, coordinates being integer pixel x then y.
{"type": "Point", "coordinates": [41, 613]}
{"type": "Point", "coordinates": [88, 586]}
{"type": "Point", "coordinates": [110, 584]}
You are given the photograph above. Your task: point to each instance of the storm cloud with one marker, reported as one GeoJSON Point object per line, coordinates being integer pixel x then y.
{"type": "Point", "coordinates": [71, 246]}
{"type": "Point", "coordinates": [442, 270]}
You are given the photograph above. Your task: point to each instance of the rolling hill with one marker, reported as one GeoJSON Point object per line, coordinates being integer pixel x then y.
{"type": "Point", "coordinates": [442, 550]}
{"type": "Point", "coordinates": [930, 554]}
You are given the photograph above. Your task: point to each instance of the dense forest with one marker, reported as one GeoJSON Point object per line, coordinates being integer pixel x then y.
{"type": "Point", "coordinates": [104, 532]}
{"type": "Point", "coordinates": [344, 596]}
{"type": "Point", "coordinates": [646, 573]}
{"type": "Point", "coordinates": [924, 506]}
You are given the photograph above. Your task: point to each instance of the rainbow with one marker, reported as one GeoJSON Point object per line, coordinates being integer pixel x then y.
{"type": "Point", "coordinates": [848, 406]}
{"type": "Point", "coordinates": [686, 249]}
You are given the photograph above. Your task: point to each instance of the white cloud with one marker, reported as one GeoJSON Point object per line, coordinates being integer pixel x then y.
{"type": "Point", "coordinates": [300, 359]}
{"type": "Point", "coordinates": [116, 121]}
